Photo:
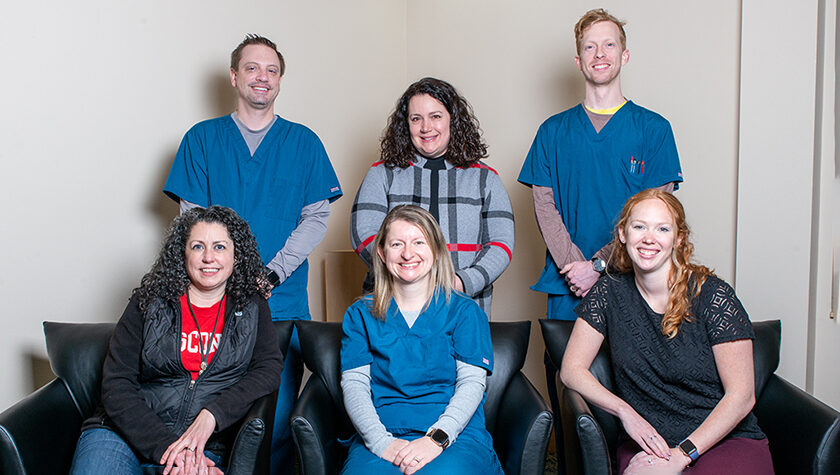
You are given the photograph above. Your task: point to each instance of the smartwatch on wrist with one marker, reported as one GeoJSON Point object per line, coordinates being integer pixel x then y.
{"type": "Point", "coordinates": [439, 437]}
{"type": "Point", "coordinates": [689, 450]}
{"type": "Point", "coordinates": [598, 265]}
{"type": "Point", "coordinates": [272, 277]}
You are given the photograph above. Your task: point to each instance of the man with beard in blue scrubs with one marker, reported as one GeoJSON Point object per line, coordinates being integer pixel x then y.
{"type": "Point", "coordinates": [586, 162]}
{"type": "Point", "coordinates": [277, 176]}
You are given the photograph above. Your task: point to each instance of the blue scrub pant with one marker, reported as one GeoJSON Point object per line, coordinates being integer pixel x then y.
{"type": "Point", "coordinates": [282, 446]}
{"type": "Point", "coordinates": [464, 456]}
{"type": "Point", "coordinates": [562, 307]}
{"type": "Point", "coordinates": [103, 451]}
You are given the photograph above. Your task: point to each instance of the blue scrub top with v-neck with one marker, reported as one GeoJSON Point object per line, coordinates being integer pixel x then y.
{"type": "Point", "coordinates": [593, 173]}
{"type": "Point", "coordinates": [412, 370]}
{"type": "Point", "coordinates": [289, 170]}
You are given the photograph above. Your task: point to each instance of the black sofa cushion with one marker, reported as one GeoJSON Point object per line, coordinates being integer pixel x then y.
{"type": "Point", "coordinates": [76, 352]}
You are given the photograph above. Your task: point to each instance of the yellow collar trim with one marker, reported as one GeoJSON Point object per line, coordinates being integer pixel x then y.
{"type": "Point", "coordinates": [610, 111]}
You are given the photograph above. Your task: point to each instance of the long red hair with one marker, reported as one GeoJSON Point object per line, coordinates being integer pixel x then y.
{"type": "Point", "coordinates": [685, 278]}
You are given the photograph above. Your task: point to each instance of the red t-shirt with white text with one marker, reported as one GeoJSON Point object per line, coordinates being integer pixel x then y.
{"type": "Point", "coordinates": [190, 348]}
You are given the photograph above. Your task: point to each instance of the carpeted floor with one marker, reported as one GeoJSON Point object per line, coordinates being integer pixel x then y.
{"type": "Point", "coordinates": [550, 463]}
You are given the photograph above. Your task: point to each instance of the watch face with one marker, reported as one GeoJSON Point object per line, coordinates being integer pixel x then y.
{"type": "Point", "coordinates": [439, 437]}
{"type": "Point", "coordinates": [689, 449]}
{"type": "Point", "coordinates": [598, 265]}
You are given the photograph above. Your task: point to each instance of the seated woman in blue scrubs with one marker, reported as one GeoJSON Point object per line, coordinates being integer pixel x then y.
{"type": "Point", "coordinates": [414, 357]}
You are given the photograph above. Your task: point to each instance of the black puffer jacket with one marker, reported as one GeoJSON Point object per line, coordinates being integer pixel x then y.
{"type": "Point", "coordinates": [149, 398]}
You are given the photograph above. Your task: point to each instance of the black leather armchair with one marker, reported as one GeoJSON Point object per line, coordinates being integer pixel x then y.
{"type": "Point", "coordinates": [517, 417]}
{"type": "Point", "coordinates": [804, 433]}
{"type": "Point", "coordinates": [39, 433]}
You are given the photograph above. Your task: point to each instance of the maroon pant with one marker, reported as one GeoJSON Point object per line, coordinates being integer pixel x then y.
{"type": "Point", "coordinates": [735, 455]}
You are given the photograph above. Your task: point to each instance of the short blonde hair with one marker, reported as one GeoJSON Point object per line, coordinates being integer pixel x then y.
{"type": "Point", "coordinates": [595, 16]}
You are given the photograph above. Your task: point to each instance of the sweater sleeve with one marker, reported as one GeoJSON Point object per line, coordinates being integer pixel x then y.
{"type": "Point", "coordinates": [369, 210]}
{"type": "Point", "coordinates": [497, 239]}
{"type": "Point", "coordinates": [262, 377]}
{"type": "Point", "coordinates": [136, 422]}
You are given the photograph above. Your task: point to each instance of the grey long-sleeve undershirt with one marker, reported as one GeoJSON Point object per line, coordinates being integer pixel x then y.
{"type": "Point", "coordinates": [355, 384]}
{"type": "Point", "coordinates": [301, 242]}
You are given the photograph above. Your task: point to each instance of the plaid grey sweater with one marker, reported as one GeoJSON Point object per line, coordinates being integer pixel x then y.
{"type": "Point", "coordinates": [475, 217]}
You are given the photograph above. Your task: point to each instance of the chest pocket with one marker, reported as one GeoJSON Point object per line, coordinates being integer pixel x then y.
{"type": "Point", "coordinates": [438, 361]}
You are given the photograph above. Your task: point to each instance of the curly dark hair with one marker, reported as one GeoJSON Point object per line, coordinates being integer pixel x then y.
{"type": "Point", "coordinates": [465, 143]}
{"type": "Point", "coordinates": [168, 279]}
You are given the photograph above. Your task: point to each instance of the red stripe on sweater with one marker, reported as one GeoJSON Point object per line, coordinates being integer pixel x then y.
{"type": "Point", "coordinates": [481, 165]}
{"type": "Point", "coordinates": [477, 247]}
{"type": "Point", "coordinates": [364, 244]}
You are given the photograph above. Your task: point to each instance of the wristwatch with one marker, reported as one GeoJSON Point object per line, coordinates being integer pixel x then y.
{"type": "Point", "coordinates": [439, 437]}
{"type": "Point", "coordinates": [598, 265]}
{"type": "Point", "coordinates": [272, 277]}
{"type": "Point", "coordinates": [689, 450]}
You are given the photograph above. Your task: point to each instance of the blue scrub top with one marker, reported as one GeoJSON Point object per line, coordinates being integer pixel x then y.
{"type": "Point", "coordinates": [593, 173]}
{"type": "Point", "coordinates": [289, 170]}
{"type": "Point", "coordinates": [413, 369]}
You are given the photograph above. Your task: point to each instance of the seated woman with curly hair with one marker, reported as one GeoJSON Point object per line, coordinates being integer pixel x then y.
{"type": "Point", "coordinates": [681, 349]}
{"type": "Point", "coordinates": [193, 350]}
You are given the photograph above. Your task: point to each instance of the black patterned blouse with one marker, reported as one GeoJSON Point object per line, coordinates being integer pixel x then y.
{"type": "Point", "coordinates": [673, 384]}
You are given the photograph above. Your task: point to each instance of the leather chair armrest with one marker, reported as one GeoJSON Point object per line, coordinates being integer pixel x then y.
{"type": "Point", "coordinates": [804, 433]}
{"type": "Point", "coordinates": [590, 453]}
{"type": "Point", "coordinates": [39, 433]}
{"type": "Point", "coordinates": [523, 428]}
{"type": "Point", "coordinates": [315, 423]}
{"type": "Point", "coordinates": [251, 448]}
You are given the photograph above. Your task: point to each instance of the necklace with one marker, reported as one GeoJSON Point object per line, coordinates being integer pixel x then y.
{"type": "Point", "coordinates": [204, 353]}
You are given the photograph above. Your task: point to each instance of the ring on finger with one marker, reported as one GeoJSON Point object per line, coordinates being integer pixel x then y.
{"type": "Point", "coordinates": [650, 461]}
{"type": "Point", "coordinates": [191, 449]}
{"type": "Point", "coordinates": [417, 459]}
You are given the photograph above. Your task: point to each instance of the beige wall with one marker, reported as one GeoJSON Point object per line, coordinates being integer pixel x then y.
{"type": "Point", "coordinates": [789, 191]}
{"type": "Point", "coordinates": [100, 93]}
{"type": "Point", "coordinates": [776, 169]}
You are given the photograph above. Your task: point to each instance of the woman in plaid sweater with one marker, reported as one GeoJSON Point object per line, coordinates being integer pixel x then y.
{"type": "Point", "coordinates": [430, 156]}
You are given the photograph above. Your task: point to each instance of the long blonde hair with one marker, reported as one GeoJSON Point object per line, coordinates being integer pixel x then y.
{"type": "Point", "coordinates": [685, 278]}
{"type": "Point", "coordinates": [442, 271]}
